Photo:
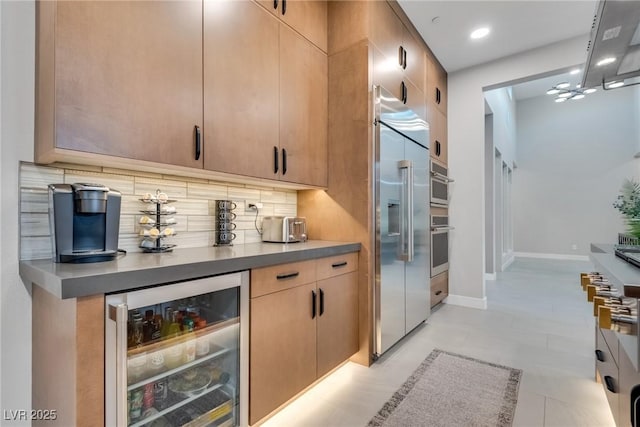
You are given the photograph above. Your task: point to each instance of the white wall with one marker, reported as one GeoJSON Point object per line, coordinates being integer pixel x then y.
{"type": "Point", "coordinates": [573, 158]}
{"type": "Point", "coordinates": [17, 88]}
{"type": "Point", "coordinates": [466, 155]}
{"type": "Point", "coordinates": [504, 123]}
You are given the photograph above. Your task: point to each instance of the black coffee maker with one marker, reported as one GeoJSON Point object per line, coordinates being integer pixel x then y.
{"type": "Point", "coordinates": [84, 221]}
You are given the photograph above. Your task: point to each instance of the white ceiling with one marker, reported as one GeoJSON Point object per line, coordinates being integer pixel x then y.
{"type": "Point", "coordinates": [516, 26]}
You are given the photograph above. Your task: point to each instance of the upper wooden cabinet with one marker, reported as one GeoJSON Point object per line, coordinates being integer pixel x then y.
{"type": "Point", "coordinates": [303, 110]}
{"type": "Point", "coordinates": [439, 146]}
{"type": "Point", "coordinates": [122, 79]}
{"type": "Point", "coordinates": [307, 17]}
{"type": "Point", "coordinates": [436, 85]}
{"type": "Point", "coordinates": [241, 88]}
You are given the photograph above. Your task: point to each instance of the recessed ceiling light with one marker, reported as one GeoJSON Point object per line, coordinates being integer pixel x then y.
{"type": "Point", "coordinates": [561, 99]}
{"type": "Point", "coordinates": [606, 61]}
{"type": "Point", "coordinates": [616, 84]}
{"type": "Point", "coordinates": [576, 71]}
{"type": "Point", "coordinates": [552, 91]}
{"type": "Point", "coordinates": [480, 33]}
{"type": "Point", "coordinates": [590, 90]}
{"type": "Point", "coordinates": [578, 86]}
{"type": "Point", "coordinates": [563, 85]}
{"type": "Point", "coordinates": [565, 95]}
{"type": "Point", "coordinates": [578, 96]}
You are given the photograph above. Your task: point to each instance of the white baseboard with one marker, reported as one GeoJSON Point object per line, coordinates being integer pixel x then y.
{"type": "Point", "coordinates": [551, 256]}
{"type": "Point", "coordinates": [463, 301]}
{"type": "Point", "coordinates": [490, 276]}
{"type": "Point", "coordinates": [508, 262]}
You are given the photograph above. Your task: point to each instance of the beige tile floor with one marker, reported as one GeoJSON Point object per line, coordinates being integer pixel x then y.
{"type": "Point", "coordinates": [537, 320]}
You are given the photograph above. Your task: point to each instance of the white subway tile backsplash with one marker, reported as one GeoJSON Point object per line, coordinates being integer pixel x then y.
{"type": "Point", "coordinates": [34, 224]}
{"type": "Point", "coordinates": [35, 247]}
{"type": "Point", "coordinates": [121, 183]}
{"type": "Point", "coordinates": [195, 218]}
{"type": "Point", "coordinates": [206, 191]}
{"type": "Point", "coordinates": [173, 189]}
{"type": "Point", "coordinates": [34, 201]}
{"type": "Point", "coordinates": [32, 176]}
{"type": "Point", "coordinates": [243, 193]}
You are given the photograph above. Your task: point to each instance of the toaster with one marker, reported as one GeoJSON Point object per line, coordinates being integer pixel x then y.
{"type": "Point", "coordinates": [284, 229]}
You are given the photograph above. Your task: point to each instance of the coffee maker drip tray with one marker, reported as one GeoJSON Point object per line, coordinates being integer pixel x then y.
{"type": "Point", "coordinates": [88, 256]}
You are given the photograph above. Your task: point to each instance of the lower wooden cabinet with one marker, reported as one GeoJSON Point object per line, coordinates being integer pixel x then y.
{"type": "Point", "coordinates": [629, 390]}
{"type": "Point", "coordinates": [439, 288]}
{"type": "Point", "coordinates": [607, 374]}
{"type": "Point", "coordinates": [301, 331]}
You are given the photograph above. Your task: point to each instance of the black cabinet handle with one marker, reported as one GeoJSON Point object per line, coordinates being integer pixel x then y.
{"type": "Point", "coordinates": [404, 59]}
{"type": "Point", "coordinates": [339, 264]}
{"type": "Point", "coordinates": [437, 148]}
{"type": "Point", "coordinates": [438, 96]}
{"type": "Point", "coordinates": [313, 304]}
{"type": "Point", "coordinates": [287, 275]}
{"type": "Point", "coordinates": [198, 142]}
{"type": "Point", "coordinates": [403, 92]}
{"type": "Point", "coordinates": [276, 167]}
{"type": "Point", "coordinates": [321, 302]}
{"type": "Point", "coordinates": [610, 384]}
{"type": "Point", "coordinates": [600, 355]}
{"type": "Point", "coordinates": [438, 293]}
{"type": "Point", "coordinates": [400, 55]}
{"type": "Point", "coordinates": [284, 6]}
{"type": "Point", "coordinates": [284, 161]}
{"type": "Point", "coordinates": [275, 4]}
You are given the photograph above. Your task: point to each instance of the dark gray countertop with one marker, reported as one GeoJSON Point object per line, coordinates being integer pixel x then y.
{"type": "Point", "coordinates": [626, 278]}
{"type": "Point", "coordinates": [138, 270]}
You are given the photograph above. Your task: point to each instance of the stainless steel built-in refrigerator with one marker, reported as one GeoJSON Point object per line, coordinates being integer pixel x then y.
{"type": "Point", "coordinates": [402, 250]}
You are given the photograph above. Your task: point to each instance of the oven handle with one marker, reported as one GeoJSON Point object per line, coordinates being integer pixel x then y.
{"type": "Point", "coordinates": [441, 177]}
{"type": "Point", "coordinates": [443, 228]}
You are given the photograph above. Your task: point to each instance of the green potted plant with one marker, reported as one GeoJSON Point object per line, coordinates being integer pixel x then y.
{"type": "Point", "coordinates": [628, 203]}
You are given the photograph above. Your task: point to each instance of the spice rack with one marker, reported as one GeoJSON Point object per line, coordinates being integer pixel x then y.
{"type": "Point", "coordinates": [157, 224]}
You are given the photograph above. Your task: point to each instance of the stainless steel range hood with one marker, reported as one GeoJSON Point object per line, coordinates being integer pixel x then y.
{"type": "Point", "coordinates": [615, 34]}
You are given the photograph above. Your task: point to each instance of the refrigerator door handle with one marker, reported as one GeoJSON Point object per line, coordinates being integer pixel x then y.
{"type": "Point", "coordinates": [119, 314]}
{"type": "Point", "coordinates": [406, 232]}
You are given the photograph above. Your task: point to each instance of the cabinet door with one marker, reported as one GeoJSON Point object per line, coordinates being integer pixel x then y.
{"type": "Point", "coordinates": [129, 79]}
{"type": "Point", "coordinates": [386, 73]}
{"type": "Point", "coordinates": [283, 348]}
{"type": "Point", "coordinates": [303, 110]}
{"type": "Point", "coordinates": [308, 17]}
{"type": "Point", "coordinates": [415, 62]}
{"type": "Point", "coordinates": [439, 287]}
{"type": "Point", "coordinates": [438, 134]}
{"type": "Point", "coordinates": [436, 85]}
{"type": "Point", "coordinates": [386, 32]}
{"type": "Point", "coordinates": [240, 88]}
{"type": "Point", "coordinates": [337, 320]}
{"type": "Point", "coordinates": [415, 99]}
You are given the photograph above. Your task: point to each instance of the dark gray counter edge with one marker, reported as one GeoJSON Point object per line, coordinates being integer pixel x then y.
{"type": "Point", "coordinates": [622, 275]}
{"type": "Point", "coordinates": [43, 274]}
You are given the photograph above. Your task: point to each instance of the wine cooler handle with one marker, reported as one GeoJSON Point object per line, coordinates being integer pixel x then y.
{"type": "Point", "coordinates": [119, 314]}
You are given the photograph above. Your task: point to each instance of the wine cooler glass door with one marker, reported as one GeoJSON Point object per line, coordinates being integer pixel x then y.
{"type": "Point", "coordinates": [176, 354]}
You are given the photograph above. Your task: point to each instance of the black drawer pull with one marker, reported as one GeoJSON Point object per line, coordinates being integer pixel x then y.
{"type": "Point", "coordinates": [400, 55]}
{"type": "Point", "coordinates": [313, 304]}
{"type": "Point", "coordinates": [600, 355]}
{"type": "Point", "coordinates": [275, 4]}
{"type": "Point", "coordinates": [609, 383]}
{"type": "Point", "coordinates": [438, 293]}
{"type": "Point", "coordinates": [339, 264]}
{"type": "Point", "coordinates": [284, 161]}
{"type": "Point", "coordinates": [198, 142]}
{"type": "Point", "coordinates": [287, 275]}
{"type": "Point", "coordinates": [321, 302]}
{"type": "Point", "coordinates": [276, 167]}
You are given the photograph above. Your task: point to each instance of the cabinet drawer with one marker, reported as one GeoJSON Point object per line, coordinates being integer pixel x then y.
{"type": "Point", "coordinates": [611, 341]}
{"type": "Point", "coordinates": [439, 288]}
{"type": "Point", "coordinates": [337, 265]}
{"type": "Point", "coordinates": [283, 276]}
{"type": "Point", "coordinates": [607, 370]}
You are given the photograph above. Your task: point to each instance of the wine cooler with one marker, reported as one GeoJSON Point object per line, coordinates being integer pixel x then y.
{"type": "Point", "coordinates": [177, 354]}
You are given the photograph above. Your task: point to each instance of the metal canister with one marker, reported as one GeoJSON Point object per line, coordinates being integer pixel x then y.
{"type": "Point", "coordinates": [148, 396]}
{"type": "Point", "coordinates": [160, 393]}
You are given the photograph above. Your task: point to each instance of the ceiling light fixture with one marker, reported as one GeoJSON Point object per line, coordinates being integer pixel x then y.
{"type": "Point", "coordinates": [614, 85]}
{"type": "Point", "coordinates": [564, 92]}
{"type": "Point", "coordinates": [576, 71]}
{"type": "Point", "coordinates": [606, 61]}
{"type": "Point", "coordinates": [480, 33]}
